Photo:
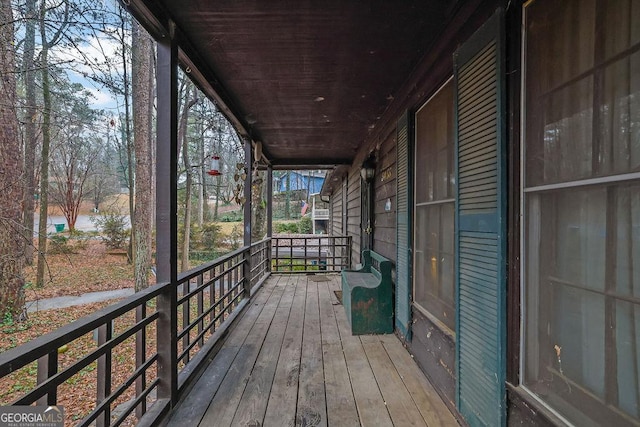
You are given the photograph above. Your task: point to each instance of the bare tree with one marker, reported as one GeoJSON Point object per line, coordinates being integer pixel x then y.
{"type": "Point", "coordinates": [190, 99]}
{"type": "Point", "coordinates": [11, 188]}
{"type": "Point", "coordinates": [30, 134]}
{"type": "Point", "coordinates": [76, 148]}
{"type": "Point", "coordinates": [47, 44]}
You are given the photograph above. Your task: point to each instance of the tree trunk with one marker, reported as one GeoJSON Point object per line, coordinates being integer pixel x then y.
{"type": "Point", "coordinates": [129, 147]}
{"type": "Point", "coordinates": [11, 248]}
{"type": "Point", "coordinates": [182, 134]}
{"type": "Point", "coordinates": [46, 134]}
{"type": "Point", "coordinates": [44, 165]}
{"type": "Point", "coordinates": [202, 173]}
{"type": "Point", "coordinates": [218, 185]}
{"type": "Point", "coordinates": [31, 140]}
{"type": "Point", "coordinates": [142, 221]}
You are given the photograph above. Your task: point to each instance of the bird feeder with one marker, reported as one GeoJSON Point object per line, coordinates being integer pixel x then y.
{"type": "Point", "coordinates": [215, 166]}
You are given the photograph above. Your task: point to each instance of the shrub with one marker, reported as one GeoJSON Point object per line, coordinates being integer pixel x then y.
{"type": "Point", "coordinates": [210, 235]}
{"type": "Point", "coordinates": [234, 216]}
{"type": "Point", "coordinates": [286, 227]}
{"type": "Point", "coordinates": [236, 237]}
{"type": "Point", "coordinates": [304, 225]}
{"type": "Point", "coordinates": [59, 244]}
{"type": "Point", "coordinates": [112, 225]}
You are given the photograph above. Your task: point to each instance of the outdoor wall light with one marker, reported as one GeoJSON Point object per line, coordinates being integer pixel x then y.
{"type": "Point", "coordinates": [367, 172]}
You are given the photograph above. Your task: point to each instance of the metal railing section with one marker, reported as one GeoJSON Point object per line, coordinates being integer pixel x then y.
{"type": "Point", "coordinates": [310, 253]}
{"type": "Point", "coordinates": [207, 299]}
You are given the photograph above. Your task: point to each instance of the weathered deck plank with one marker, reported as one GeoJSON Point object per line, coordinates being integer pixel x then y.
{"type": "Point", "coordinates": [226, 400]}
{"type": "Point", "coordinates": [194, 406]}
{"type": "Point", "coordinates": [401, 407]}
{"type": "Point", "coordinates": [253, 403]}
{"type": "Point", "coordinates": [281, 408]}
{"type": "Point", "coordinates": [291, 360]}
{"type": "Point", "coordinates": [341, 405]}
{"type": "Point", "coordinates": [312, 407]}
{"type": "Point", "coordinates": [426, 398]}
{"type": "Point", "coordinates": [369, 401]}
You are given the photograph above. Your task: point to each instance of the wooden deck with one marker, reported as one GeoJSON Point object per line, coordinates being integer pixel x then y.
{"type": "Point", "coordinates": [291, 360]}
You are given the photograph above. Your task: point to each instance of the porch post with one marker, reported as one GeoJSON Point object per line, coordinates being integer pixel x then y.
{"type": "Point", "coordinates": [167, 216]}
{"type": "Point", "coordinates": [269, 212]}
{"type": "Point", "coordinates": [248, 158]}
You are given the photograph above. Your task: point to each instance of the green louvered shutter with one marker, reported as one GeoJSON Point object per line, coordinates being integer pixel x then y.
{"type": "Point", "coordinates": [403, 220]}
{"type": "Point", "coordinates": [481, 237]}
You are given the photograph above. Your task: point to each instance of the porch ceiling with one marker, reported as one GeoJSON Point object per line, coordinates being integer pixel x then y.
{"type": "Point", "coordinates": [308, 79]}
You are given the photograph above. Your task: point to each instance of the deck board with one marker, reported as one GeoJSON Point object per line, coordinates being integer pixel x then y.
{"type": "Point", "coordinates": [371, 408]}
{"type": "Point", "coordinates": [291, 360]}
{"type": "Point", "coordinates": [399, 403]}
{"type": "Point", "coordinates": [192, 409]}
{"type": "Point", "coordinates": [425, 397]}
{"type": "Point", "coordinates": [312, 407]}
{"type": "Point", "coordinates": [281, 408]}
{"type": "Point", "coordinates": [253, 405]}
{"type": "Point", "coordinates": [226, 400]}
{"type": "Point", "coordinates": [341, 405]}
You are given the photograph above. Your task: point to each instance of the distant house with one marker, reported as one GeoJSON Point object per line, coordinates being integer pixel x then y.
{"type": "Point", "coordinates": [310, 181]}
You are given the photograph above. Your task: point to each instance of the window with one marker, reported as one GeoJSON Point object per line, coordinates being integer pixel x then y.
{"type": "Point", "coordinates": [581, 160]}
{"type": "Point", "coordinates": [434, 286]}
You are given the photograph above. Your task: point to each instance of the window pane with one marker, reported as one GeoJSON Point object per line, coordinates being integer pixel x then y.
{"type": "Point", "coordinates": [582, 242]}
{"type": "Point", "coordinates": [620, 117]}
{"type": "Point", "coordinates": [434, 288]}
{"type": "Point", "coordinates": [628, 358]}
{"type": "Point", "coordinates": [434, 261]}
{"type": "Point", "coordinates": [628, 241]}
{"type": "Point", "coordinates": [580, 236]}
{"type": "Point", "coordinates": [583, 106]}
{"type": "Point", "coordinates": [434, 147]}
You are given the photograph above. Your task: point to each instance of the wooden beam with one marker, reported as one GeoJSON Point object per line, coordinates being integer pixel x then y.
{"type": "Point", "coordinates": [167, 216]}
{"type": "Point", "coordinates": [248, 158]}
{"type": "Point", "coordinates": [292, 164]}
{"type": "Point", "coordinates": [269, 213]}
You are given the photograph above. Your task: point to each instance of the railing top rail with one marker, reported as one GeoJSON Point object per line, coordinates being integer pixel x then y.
{"type": "Point", "coordinates": [17, 357]}
{"type": "Point", "coordinates": [194, 272]}
{"type": "Point", "coordinates": [190, 274]}
{"type": "Point", "coordinates": [263, 241]}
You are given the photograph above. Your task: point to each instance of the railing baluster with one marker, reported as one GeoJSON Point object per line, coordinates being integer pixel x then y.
{"type": "Point", "coordinates": [105, 333]}
{"type": "Point", "coordinates": [48, 367]}
{"type": "Point", "coordinates": [186, 318]}
{"type": "Point", "coordinates": [200, 299]}
{"type": "Point", "coordinates": [212, 297]}
{"type": "Point", "coordinates": [141, 357]}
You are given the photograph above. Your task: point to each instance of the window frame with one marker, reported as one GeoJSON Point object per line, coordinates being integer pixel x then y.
{"type": "Point", "coordinates": [441, 202]}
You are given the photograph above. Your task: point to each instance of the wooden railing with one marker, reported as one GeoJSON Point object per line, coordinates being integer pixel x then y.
{"type": "Point", "coordinates": [172, 327]}
{"type": "Point", "coordinates": [310, 253]}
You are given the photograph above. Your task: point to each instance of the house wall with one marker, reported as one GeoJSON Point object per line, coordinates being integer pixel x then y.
{"type": "Point", "coordinates": [335, 227]}
{"type": "Point", "coordinates": [384, 229]}
{"type": "Point", "coordinates": [353, 213]}
{"type": "Point", "coordinates": [433, 345]}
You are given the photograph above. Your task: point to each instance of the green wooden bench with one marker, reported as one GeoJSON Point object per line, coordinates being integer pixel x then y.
{"type": "Point", "coordinates": [367, 295]}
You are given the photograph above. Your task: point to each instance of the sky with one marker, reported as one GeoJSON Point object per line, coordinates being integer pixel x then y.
{"type": "Point", "coordinates": [99, 48]}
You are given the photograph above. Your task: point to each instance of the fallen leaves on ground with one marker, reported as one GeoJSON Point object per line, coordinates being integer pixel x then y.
{"type": "Point", "coordinates": [78, 393]}
{"type": "Point", "coordinates": [91, 269]}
